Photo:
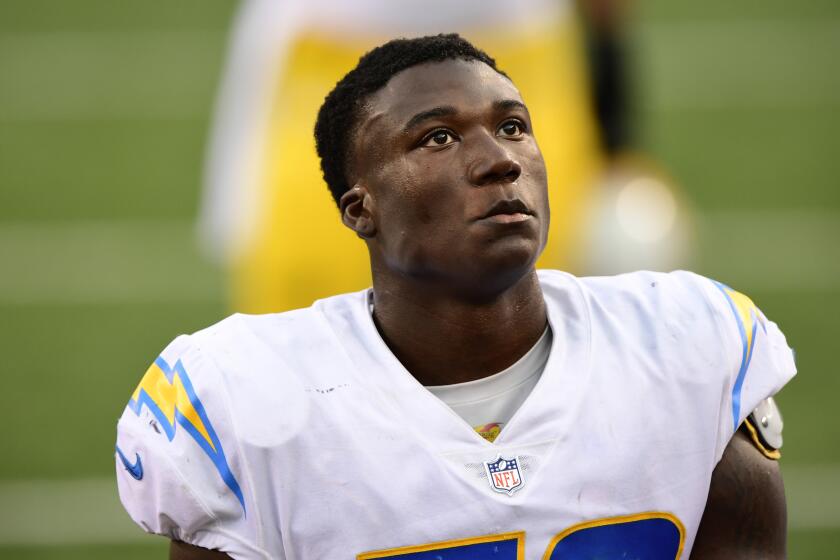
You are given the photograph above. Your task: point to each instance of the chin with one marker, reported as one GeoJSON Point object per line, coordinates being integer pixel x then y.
{"type": "Point", "coordinates": [512, 250]}
{"type": "Point", "coordinates": [477, 269]}
{"type": "Point", "coordinates": [505, 263]}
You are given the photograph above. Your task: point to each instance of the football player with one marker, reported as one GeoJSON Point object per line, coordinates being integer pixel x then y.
{"type": "Point", "coordinates": [466, 406]}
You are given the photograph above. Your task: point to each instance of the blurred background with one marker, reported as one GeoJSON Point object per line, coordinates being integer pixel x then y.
{"type": "Point", "coordinates": [106, 111]}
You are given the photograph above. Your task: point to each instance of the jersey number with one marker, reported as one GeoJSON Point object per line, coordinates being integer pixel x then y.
{"type": "Point", "coordinates": [648, 536]}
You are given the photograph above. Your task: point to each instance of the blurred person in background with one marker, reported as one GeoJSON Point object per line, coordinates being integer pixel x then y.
{"type": "Point", "coordinates": [262, 178]}
{"type": "Point", "coordinates": [633, 216]}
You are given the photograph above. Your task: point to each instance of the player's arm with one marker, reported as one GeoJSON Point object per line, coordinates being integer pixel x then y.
{"type": "Point", "coordinates": [746, 515]}
{"type": "Point", "coordinates": [177, 425]}
{"type": "Point", "coordinates": [182, 551]}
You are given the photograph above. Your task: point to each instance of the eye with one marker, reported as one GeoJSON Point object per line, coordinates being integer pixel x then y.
{"type": "Point", "coordinates": [512, 128]}
{"type": "Point", "coordinates": [438, 138]}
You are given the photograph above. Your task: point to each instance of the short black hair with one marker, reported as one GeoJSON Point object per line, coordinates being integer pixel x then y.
{"type": "Point", "coordinates": [340, 111]}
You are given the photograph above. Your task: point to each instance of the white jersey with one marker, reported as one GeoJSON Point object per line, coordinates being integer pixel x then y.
{"type": "Point", "coordinates": [300, 436]}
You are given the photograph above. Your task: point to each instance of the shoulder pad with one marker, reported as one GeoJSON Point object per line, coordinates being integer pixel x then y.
{"type": "Point", "coordinates": [764, 426]}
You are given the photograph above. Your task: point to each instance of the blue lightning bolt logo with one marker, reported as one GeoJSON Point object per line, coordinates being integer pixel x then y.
{"type": "Point", "coordinates": [168, 393]}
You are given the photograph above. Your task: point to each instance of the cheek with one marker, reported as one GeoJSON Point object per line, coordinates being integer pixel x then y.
{"type": "Point", "coordinates": [412, 193]}
{"type": "Point", "coordinates": [398, 179]}
{"type": "Point", "coordinates": [536, 163]}
{"type": "Point", "coordinates": [536, 177]}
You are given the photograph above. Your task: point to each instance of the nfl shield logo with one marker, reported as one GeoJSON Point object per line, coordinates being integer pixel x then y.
{"type": "Point", "coordinates": [504, 475]}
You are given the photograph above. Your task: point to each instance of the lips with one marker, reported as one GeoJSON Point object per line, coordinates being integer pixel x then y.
{"type": "Point", "coordinates": [507, 207]}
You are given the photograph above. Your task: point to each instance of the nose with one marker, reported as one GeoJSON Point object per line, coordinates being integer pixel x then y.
{"type": "Point", "coordinates": [493, 164]}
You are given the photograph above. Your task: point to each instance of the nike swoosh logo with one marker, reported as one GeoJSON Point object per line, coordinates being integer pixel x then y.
{"type": "Point", "coordinates": [134, 469]}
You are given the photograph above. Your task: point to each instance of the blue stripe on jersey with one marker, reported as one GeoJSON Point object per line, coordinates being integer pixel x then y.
{"type": "Point", "coordinates": [746, 317]}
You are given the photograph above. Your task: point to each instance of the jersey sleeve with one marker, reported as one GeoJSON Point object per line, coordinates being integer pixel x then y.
{"type": "Point", "coordinates": [178, 471]}
{"type": "Point", "coordinates": [758, 360]}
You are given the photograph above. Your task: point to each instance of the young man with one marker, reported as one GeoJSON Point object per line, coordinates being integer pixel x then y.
{"type": "Point", "coordinates": [466, 406]}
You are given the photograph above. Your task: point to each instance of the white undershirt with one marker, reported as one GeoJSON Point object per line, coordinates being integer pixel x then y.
{"type": "Point", "coordinates": [495, 399]}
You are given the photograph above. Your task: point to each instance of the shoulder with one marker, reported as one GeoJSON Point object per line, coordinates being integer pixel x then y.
{"type": "Point", "coordinates": [178, 471]}
{"type": "Point", "coordinates": [276, 352]}
{"type": "Point", "coordinates": [299, 329]}
{"type": "Point", "coordinates": [187, 438]}
{"type": "Point", "coordinates": [680, 287]}
{"type": "Point", "coordinates": [195, 428]}
{"type": "Point", "coordinates": [263, 366]}
{"type": "Point", "coordinates": [700, 331]}
{"type": "Point", "coordinates": [680, 299]}
{"type": "Point", "coordinates": [635, 285]}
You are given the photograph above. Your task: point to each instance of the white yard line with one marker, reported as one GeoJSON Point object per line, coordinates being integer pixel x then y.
{"type": "Point", "coordinates": [170, 74]}
{"type": "Point", "coordinates": [108, 75]}
{"type": "Point", "coordinates": [771, 250]}
{"type": "Point", "coordinates": [88, 511]}
{"type": "Point", "coordinates": [746, 65]}
{"type": "Point", "coordinates": [154, 261]}
{"type": "Point", "coordinates": [46, 512]}
{"type": "Point", "coordinates": [104, 262]}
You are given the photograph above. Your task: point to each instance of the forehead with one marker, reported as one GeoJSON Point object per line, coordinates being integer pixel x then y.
{"type": "Point", "coordinates": [462, 84]}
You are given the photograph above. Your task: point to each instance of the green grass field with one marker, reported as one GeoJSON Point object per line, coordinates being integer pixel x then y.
{"type": "Point", "coordinates": [104, 110]}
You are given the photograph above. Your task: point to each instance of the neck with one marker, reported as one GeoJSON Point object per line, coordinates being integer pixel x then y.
{"type": "Point", "coordinates": [443, 339]}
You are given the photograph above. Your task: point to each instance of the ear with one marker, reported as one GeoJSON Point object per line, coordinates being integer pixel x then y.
{"type": "Point", "coordinates": [357, 208]}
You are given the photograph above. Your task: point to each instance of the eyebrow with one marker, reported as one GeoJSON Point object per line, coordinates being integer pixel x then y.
{"type": "Point", "coordinates": [448, 110]}
{"type": "Point", "coordinates": [506, 104]}
{"type": "Point", "coordinates": [433, 113]}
